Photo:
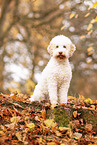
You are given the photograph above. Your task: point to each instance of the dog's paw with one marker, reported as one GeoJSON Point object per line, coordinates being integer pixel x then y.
{"type": "Point", "coordinates": [32, 98]}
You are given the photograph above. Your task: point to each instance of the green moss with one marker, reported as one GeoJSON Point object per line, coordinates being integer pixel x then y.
{"type": "Point", "coordinates": [60, 115]}
{"type": "Point", "coordinates": [90, 118]}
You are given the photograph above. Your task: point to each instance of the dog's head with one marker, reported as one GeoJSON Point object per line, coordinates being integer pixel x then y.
{"type": "Point", "coordinates": [61, 47]}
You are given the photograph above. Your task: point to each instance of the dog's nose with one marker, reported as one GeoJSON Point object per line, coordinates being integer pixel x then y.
{"type": "Point", "coordinates": [60, 53]}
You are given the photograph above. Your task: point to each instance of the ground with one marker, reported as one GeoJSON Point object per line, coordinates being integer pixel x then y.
{"type": "Point", "coordinates": [23, 122]}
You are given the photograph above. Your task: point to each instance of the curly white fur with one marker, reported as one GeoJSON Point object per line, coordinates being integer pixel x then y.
{"type": "Point", "coordinates": [56, 77]}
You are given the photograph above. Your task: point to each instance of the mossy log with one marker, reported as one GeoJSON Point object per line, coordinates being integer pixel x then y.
{"type": "Point", "coordinates": [63, 115]}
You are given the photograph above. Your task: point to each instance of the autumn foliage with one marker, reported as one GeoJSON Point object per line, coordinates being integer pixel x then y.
{"type": "Point", "coordinates": [23, 122]}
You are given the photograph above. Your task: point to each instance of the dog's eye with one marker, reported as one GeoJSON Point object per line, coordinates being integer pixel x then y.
{"type": "Point", "coordinates": [57, 46]}
{"type": "Point", "coordinates": [64, 46]}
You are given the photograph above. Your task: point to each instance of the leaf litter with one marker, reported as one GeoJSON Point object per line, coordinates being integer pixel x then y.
{"type": "Point", "coordinates": [23, 122]}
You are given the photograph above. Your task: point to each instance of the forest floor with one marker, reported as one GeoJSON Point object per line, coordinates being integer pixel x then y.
{"type": "Point", "coordinates": [26, 123]}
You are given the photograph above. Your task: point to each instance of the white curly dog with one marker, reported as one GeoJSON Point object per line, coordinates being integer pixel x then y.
{"type": "Point", "coordinates": [55, 78]}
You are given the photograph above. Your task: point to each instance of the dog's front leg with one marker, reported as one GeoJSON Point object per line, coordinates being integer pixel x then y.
{"type": "Point", "coordinates": [52, 89]}
{"type": "Point", "coordinates": [63, 91]}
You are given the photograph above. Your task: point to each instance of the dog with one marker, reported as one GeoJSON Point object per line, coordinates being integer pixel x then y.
{"type": "Point", "coordinates": [56, 76]}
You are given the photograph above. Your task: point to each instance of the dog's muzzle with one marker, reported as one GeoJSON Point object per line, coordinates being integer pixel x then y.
{"type": "Point", "coordinates": [61, 55]}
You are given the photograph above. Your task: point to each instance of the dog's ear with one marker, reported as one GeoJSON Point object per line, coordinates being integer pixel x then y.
{"type": "Point", "coordinates": [50, 49]}
{"type": "Point", "coordinates": [72, 49]}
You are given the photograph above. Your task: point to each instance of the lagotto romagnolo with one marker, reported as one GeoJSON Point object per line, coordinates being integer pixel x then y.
{"type": "Point", "coordinates": [56, 76]}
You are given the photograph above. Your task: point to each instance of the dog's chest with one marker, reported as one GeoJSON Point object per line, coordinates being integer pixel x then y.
{"type": "Point", "coordinates": [59, 71]}
{"type": "Point", "coordinates": [63, 73]}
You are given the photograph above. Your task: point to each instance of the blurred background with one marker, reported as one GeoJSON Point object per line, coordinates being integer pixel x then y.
{"type": "Point", "coordinates": [26, 28]}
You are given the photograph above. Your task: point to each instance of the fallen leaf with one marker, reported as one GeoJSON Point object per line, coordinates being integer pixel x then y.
{"type": "Point", "coordinates": [88, 127]}
{"type": "Point", "coordinates": [43, 112]}
{"type": "Point", "coordinates": [37, 118]}
{"type": "Point", "coordinates": [82, 36]}
{"type": "Point", "coordinates": [76, 16]}
{"type": "Point", "coordinates": [30, 125]}
{"type": "Point", "coordinates": [88, 60]}
{"type": "Point", "coordinates": [96, 18]}
{"type": "Point", "coordinates": [81, 97]}
{"type": "Point", "coordinates": [63, 129]}
{"type": "Point", "coordinates": [11, 125]}
{"type": "Point", "coordinates": [2, 133]}
{"type": "Point", "coordinates": [50, 123]}
{"type": "Point", "coordinates": [87, 14]}
{"type": "Point", "coordinates": [63, 27]}
{"type": "Point", "coordinates": [71, 97]}
{"type": "Point", "coordinates": [93, 107]}
{"type": "Point", "coordinates": [51, 143]}
{"type": "Point", "coordinates": [75, 114]}
{"type": "Point", "coordinates": [89, 49]}
{"type": "Point", "coordinates": [89, 27]}
{"type": "Point", "coordinates": [57, 132]}
{"type": "Point", "coordinates": [18, 136]}
{"type": "Point", "coordinates": [88, 100]}
{"type": "Point", "coordinates": [72, 15]}
{"type": "Point", "coordinates": [15, 119]}
{"type": "Point", "coordinates": [94, 5]}
{"type": "Point", "coordinates": [16, 104]}
{"type": "Point", "coordinates": [90, 32]}
{"type": "Point", "coordinates": [93, 21]}
{"type": "Point", "coordinates": [77, 135]}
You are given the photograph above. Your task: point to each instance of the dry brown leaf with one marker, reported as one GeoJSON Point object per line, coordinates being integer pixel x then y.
{"type": "Point", "coordinates": [88, 127]}
{"type": "Point", "coordinates": [43, 112]}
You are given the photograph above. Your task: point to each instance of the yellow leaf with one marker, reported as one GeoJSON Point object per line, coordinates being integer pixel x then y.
{"type": "Point", "coordinates": [81, 97]}
{"type": "Point", "coordinates": [63, 129]}
{"type": "Point", "coordinates": [30, 125]}
{"type": "Point", "coordinates": [96, 18]}
{"type": "Point", "coordinates": [63, 27]}
{"type": "Point", "coordinates": [94, 5]}
{"type": "Point", "coordinates": [90, 32]}
{"type": "Point", "coordinates": [89, 26]}
{"type": "Point", "coordinates": [18, 136]}
{"type": "Point", "coordinates": [87, 14]}
{"type": "Point", "coordinates": [40, 140]}
{"type": "Point", "coordinates": [51, 143]}
{"type": "Point", "coordinates": [57, 133]}
{"type": "Point", "coordinates": [11, 126]}
{"type": "Point", "coordinates": [93, 21]}
{"type": "Point", "coordinates": [89, 49]}
{"type": "Point", "coordinates": [2, 133]}
{"type": "Point", "coordinates": [88, 100]}
{"type": "Point", "coordinates": [93, 107]}
{"type": "Point", "coordinates": [50, 123]}
{"type": "Point", "coordinates": [82, 36]}
{"type": "Point", "coordinates": [72, 15]}
{"type": "Point", "coordinates": [71, 97]}
{"type": "Point", "coordinates": [14, 119]}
